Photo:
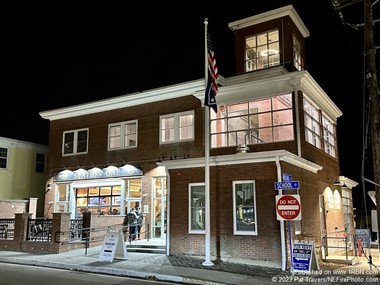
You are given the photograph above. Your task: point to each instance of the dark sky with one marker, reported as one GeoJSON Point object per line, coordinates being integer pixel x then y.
{"type": "Point", "coordinates": [59, 56]}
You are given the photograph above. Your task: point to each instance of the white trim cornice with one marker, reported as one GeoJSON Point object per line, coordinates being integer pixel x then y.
{"type": "Point", "coordinates": [243, 158]}
{"type": "Point", "coordinates": [123, 101]}
{"type": "Point", "coordinates": [271, 15]}
{"type": "Point", "coordinates": [250, 86]}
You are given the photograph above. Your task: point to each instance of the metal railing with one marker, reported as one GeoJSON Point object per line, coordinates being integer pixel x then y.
{"type": "Point", "coordinates": [341, 244]}
{"type": "Point", "coordinates": [7, 227]}
{"type": "Point", "coordinates": [39, 229]}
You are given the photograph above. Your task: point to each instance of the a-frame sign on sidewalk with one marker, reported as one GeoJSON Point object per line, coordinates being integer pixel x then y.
{"type": "Point", "coordinates": [113, 246]}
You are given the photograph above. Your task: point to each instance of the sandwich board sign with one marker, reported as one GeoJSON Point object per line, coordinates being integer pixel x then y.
{"type": "Point", "coordinates": [304, 256]}
{"type": "Point", "coordinates": [113, 246]}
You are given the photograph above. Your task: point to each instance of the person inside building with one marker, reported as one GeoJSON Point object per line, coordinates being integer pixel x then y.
{"type": "Point", "coordinates": [130, 225]}
{"type": "Point", "coordinates": [140, 217]}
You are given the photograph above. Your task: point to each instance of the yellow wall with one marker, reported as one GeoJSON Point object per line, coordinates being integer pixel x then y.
{"type": "Point", "coordinates": [19, 180]}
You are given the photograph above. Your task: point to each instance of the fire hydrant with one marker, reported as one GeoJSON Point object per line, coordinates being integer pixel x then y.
{"type": "Point", "coordinates": [360, 249]}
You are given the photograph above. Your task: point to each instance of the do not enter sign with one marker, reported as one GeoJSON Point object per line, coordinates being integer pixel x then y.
{"type": "Point", "coordinates": [288, 207]}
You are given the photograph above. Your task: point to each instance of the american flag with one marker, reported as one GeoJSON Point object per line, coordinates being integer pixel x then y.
{"type": "Point", "coordinates": [212, 87]}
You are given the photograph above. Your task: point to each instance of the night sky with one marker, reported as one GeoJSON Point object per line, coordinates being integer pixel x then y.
{"type": "Point", "coordinates": [59, 56]}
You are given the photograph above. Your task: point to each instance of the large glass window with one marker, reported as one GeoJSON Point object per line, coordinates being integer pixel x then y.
{"type": "Point", "coordinates": [320, 131]}
{"type": "Point", "coordinates": [75, 142]}
{"type": "Point", "coordinates": [177, 127]}
{"type": "Point", "coordinates": [244, 208]}
{"type": "Point", "coordinates": [104, 200]}
{"type": "Point", "coordinates": [197, 208]}
{"type": "Point", "coordinates": [122, 135]}
{"type": "Point", "coordinates": [251, 122]}
{"type": "Point", "coordinates": [262, 51]}
{"type": "Point", "coordinates": [3, 157]}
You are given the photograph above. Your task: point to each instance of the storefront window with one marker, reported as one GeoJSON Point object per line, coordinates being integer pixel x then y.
{"type": "Point", "coordinates": [104, 200]}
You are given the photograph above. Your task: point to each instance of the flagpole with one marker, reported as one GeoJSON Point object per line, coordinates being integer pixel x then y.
{"type": "Point", "coordinates": [207, 261]}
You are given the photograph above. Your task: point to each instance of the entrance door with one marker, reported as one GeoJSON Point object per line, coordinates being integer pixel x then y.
{"type": "Point", "coordinates": [159, 202]}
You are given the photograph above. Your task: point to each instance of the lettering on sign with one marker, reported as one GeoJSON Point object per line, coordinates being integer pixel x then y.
{"type": "Point", "coordinates": [288, 207]}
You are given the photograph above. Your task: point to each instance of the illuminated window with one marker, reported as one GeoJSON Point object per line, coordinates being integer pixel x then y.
{"type": "Point", "coordinates": [320, 131]}
{"type": "Point", "coordinates": [297, 59]}
{"type": "Point", "coordinates": [177, 127]}
{"type": "Point", "coordinates": [252, 122]}
{"type": "Point", "coordinates": [122, 135]}
{"type": "Point", "coordinates": [262, 51]}
{"type": "Point", "coordinates": [104, 200]}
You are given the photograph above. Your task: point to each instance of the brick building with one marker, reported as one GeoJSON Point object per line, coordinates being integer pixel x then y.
{"type": "Point", "coordinates": [148, 150]}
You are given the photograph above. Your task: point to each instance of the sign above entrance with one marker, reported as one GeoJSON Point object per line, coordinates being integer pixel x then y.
{"type": "Point", "coordinates": [95, 173]}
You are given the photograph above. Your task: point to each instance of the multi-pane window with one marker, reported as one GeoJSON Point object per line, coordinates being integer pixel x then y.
{"type": "Point", "coordinates": [297, 59]}
{"type": "Point", "coordinates": [328, 136]}
{"type": "Point", "coordinates": [177, 127]}
{"type": "Point", "coordinates": [104, 200]}
{"type": "Point", "coordinates": [40, 162]}
{"type": "Point", "coordinates": [63, 199]}
{"type": "Point", "coordinates": [197, 208]}
{"type": "Point", "coordinates": [262, 51]}
{"type": "Point", "coordinates": [320, 131]}
{"type": "Point", "coordinates": [312, 126]}
{"type": "Point", "coordinates": [347, 209]}
{"type": "Point", "coordinates": [244, 208]}
{"type": "Point", "coordinates": [75, 142]}
{"type": "Point", "coordinates": [122, 135]}
{"type": "Point", "coordinates": [3, 157]}
{"type": "Point", "coordinates": [251, 122]}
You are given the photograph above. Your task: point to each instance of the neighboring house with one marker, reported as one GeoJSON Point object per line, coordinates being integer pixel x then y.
{"type": "Point", "coordinates": [22, 177]}
{"type": "Point", "coordinates": [147, 149]}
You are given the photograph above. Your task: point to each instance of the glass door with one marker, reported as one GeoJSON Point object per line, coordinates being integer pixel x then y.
{"type": "Point", "coordinates": [159, 203]}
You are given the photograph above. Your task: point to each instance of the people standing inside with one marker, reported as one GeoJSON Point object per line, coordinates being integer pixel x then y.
{"type": "Point", "coordinates": [140, 217]}
{"type": "Point", "coordinates": [130, 224]}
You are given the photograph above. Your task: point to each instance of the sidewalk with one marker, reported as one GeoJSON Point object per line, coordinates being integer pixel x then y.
{"type": "Point", "coordinates": [180, 270]}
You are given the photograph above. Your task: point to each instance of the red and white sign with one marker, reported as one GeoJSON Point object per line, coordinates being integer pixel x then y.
{"type": "Point", "coordinates": [288, 207]}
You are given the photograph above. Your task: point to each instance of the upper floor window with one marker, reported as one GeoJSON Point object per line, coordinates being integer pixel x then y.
{"type": "Point", "coordinates": [262, 51]}
{"type": "Point", "coordinates": [329, 138]}
{"type": "Point", "coordinates": [122, 135]}
{"type": "Point", "coordinates": [244, 211]}
{"type": "Point", "coordinates": [3, 157]}
{"type": "Point", "coordinates": [197, 208]}
{"type": "Point", "coordinates": [177, 127]}
{"type": "Point", "coordinates": [297, 59]}
{"type": "Point", "coordinates": [319, 130]}
{"type": "Point", "coordinates": [75, 142]}
{"type": "Point", "coordinates": [257, 121]}
{"type": "Point", "coordinates": [40, 162]}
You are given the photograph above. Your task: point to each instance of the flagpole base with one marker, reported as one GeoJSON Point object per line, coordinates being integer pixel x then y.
{"type": "Point", "coordinates": [207, 263]}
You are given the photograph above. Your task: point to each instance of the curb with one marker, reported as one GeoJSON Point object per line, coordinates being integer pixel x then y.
{"type": "Point", "coordinates": [111, 271]}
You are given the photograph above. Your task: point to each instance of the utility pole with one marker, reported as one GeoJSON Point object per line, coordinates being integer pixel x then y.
{"type": "Point", "coordinates": [374, 102]}
{"type": "Point", "coordinates": [373, 92]}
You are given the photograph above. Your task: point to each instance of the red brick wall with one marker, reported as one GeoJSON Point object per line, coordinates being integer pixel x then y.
{"type": "Point", "coordinates": [265, 246]}
{"type": "Point", "coordinates": [148, 135]}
